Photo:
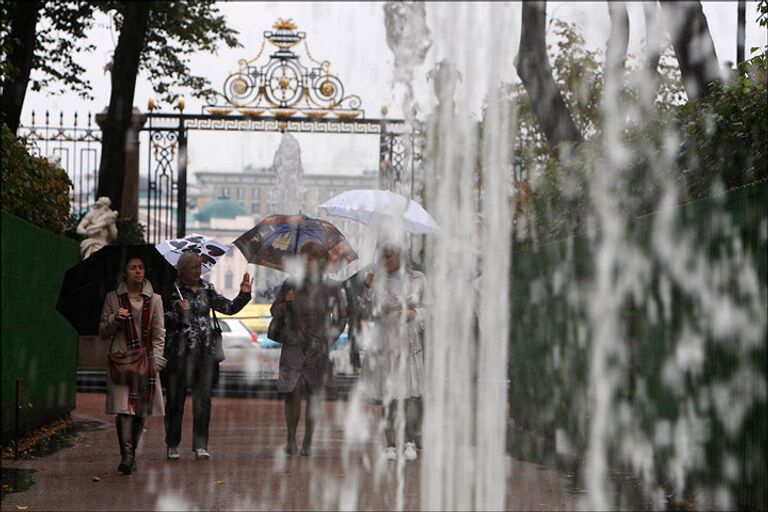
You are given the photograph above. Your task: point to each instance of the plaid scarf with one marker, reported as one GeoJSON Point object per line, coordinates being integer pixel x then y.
{"type": "Point", "coordinates": [141, 393]}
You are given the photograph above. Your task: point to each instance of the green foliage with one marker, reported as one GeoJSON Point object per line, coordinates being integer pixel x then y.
{"type": "Point", "coordinates": [724, 134]}
{"type": "Point", "coordinates": [61, 35]}
{"type": "Point", "coordinates": [33, 189]}
{"type": "Point", "coordinates": [721, 140]}
{"type": "Point", "coordinates": [129, 232]}
{"type": "Point", "coordinates": [178, 30]}
{"type": "Point", "coordinates": [579, 74]}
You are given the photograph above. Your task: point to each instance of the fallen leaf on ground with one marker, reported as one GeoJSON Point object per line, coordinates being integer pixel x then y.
{"type": "Point", "coordinates": [22, 507]}
{"type": "Point", "coordinates": [339, 474]}
{"type": "Point", "coordinates": [219, 482]}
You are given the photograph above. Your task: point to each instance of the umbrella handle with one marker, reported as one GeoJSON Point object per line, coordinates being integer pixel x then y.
{"type": "Point", "coordinates": [298, 232]}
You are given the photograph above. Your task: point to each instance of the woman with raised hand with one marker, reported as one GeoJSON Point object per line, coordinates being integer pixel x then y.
{"type": "Point", "coordinates": [191, 351]}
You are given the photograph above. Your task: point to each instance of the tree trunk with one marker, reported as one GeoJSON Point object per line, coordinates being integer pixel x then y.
{"type": "Point", "coordinates": [125, 69]}
{"type": "Point", "coordinates": [533, 66]}
{"type": "Point", "coordinates": [20, 53]}
{"type": "Point", "coordinates": [618, 39]}
{"type": "Point", "coordinates": [653, 36]}
{"type": "Point", "coordinates": [693, 46]}
{"type": "Point", "coordinates": [741, 31]}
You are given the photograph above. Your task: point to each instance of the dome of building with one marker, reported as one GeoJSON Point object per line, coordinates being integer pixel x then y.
{"type": "Point", "coordinates": [221, 208]}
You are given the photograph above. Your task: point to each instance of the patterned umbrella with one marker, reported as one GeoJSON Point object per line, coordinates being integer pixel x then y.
{"type": "Point", "coordinates": [278, 237]}
{"type": "Point", "coordinates": [209, 249]}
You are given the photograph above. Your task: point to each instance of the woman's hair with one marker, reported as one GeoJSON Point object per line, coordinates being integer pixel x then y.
{"type": "Point", "coordinates": [127, 260]}
{"type": "Point", "coordinates": [392, 247]}
{"type": "Point", "coordinates": [396, 248]}
{"type": "Point", "coordinates": [316, 251]}
{"type": "Point", "coordinates": [188, 260]}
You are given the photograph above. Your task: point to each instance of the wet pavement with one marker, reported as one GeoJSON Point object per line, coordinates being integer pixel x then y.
{"type": "Point", "coordinates": [247, 471]}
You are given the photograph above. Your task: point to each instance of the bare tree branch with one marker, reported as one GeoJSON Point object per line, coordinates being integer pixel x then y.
{"type": "Point", "coordinates": [693, 46]}
{"type": "Point", "coordinates": [535, 71]}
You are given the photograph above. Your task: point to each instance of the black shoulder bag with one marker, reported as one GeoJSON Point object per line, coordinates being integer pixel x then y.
{"type": "Point", "coordinates": [216, 339]}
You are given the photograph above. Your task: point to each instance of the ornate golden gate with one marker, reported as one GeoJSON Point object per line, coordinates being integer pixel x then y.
{"type": "Point", "coordinates": [278, 95]}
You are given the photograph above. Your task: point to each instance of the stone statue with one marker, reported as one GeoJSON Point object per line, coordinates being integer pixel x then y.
{"type": "Point", "coordinates": [98, 226]}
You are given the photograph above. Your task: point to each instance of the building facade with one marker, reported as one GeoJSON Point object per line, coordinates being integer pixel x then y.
{"type": "Point", "coordinates": [229, 203]}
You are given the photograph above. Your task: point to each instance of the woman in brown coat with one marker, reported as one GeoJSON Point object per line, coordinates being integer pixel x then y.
{"type": "Point", "coordinates": [314, 316]}
{"type": "Point", "coordinates": [132, 317]}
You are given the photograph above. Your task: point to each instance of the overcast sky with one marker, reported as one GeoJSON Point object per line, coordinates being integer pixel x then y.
{"type": "Point", "coordinates": [352, 37]}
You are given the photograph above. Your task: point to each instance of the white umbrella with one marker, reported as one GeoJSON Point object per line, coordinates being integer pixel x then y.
{"type": "Point", "coordinates": [371, 206]}
{"type": "Point", "coordinates": [209, 249]}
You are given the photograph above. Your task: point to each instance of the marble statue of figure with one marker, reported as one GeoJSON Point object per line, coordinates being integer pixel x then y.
{"type": "Point", "coordinates": [98, 226]}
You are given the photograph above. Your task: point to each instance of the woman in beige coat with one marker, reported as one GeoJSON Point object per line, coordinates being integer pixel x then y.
{"type": "Point", "coordinates": [396, 298]}
{"type": "Point", "coordinates": [132, 317]}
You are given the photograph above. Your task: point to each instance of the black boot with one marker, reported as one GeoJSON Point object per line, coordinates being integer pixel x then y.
{"type": "Point", "coordinates": [138, 429]}
{"type": "Point", "coordinates": [128, 452]}
{"type": "Point", "coordinates": [119, 430]}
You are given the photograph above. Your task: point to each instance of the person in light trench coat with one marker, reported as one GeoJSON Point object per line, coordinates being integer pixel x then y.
{"type": "Point", "coordinates": [130, 414]}
{"type": "Point", "coordinates": [397, 298]}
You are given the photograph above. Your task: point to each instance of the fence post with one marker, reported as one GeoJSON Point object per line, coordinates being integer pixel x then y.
{"type": "Point", "coordinates": [130, 206]}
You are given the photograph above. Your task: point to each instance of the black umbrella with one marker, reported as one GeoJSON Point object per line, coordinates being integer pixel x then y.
{"type": "Point", "coordinates": [82, 292]}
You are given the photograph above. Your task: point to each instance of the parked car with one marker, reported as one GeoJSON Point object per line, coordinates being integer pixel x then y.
{"type": "Point", "coordinates": [235, 334]}
{"type": "Point", "coordinates": [266, 342]}
{"type": "Point", "coordinates": [241, 347]}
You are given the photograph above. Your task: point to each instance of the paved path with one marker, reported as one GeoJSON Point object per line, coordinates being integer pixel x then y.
{"type": "Point", "coordinates": [247, 471]}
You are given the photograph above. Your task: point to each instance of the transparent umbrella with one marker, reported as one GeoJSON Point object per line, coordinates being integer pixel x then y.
{"type": "Point", "coordinates": [371, 206]}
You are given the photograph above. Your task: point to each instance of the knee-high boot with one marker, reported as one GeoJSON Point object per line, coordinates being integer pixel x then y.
{"type": "Point", "coordinates": [128, 452]}
{"type": "Point", "coordinates": [138, 429]}
{"type": "Point", "coordinates": [119, 430]}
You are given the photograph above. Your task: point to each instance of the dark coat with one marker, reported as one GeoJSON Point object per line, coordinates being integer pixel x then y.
{"type": "Point", "coordinates": [312, 322]}
{"type": "Point", "coordinates": [191, 333]}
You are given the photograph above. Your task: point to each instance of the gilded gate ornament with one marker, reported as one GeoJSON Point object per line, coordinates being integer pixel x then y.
{"type": "Point", "coordinates": [284, 86]}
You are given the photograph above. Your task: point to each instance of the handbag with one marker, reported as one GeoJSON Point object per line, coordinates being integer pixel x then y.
{"type": "Point", "coordinates": [216, 339]}
{"type": "Point", "coordinates": [275, 329]}
{"type": "Point", "coordinates": [127, 366]}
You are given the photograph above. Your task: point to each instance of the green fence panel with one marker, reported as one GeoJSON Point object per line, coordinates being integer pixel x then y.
{"type": "Point", "coordinates": [550, 341]}
{"type": "Point", "coordinates": [39, 347]}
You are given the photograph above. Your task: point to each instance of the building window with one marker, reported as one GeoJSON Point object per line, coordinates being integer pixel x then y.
{"type": "Point", "coordinates": [255, 193]}
{"type": "Point", "coordinates": [240, 193]}
{"type": "Point", "coordinates": [254, 207]}
{"type": "Point", "coordinates": [228, 280]}
{"type": "Point", "coordinates": [231, 251]}
{"type": "Point", "coordinates": [224, 192]}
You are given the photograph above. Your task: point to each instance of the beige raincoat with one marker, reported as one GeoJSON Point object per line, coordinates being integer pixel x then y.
{"type": "Point", "coordinates": [113, 330]}
{"type": "Point", "coordinates": [393, 367]}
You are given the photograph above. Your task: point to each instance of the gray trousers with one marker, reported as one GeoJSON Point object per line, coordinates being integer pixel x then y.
{"type": "Point", "coordinates": [198, 372]}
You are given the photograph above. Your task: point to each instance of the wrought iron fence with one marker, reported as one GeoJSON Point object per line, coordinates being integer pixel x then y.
{"type": "Point", "coordinates": [76, 147]}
